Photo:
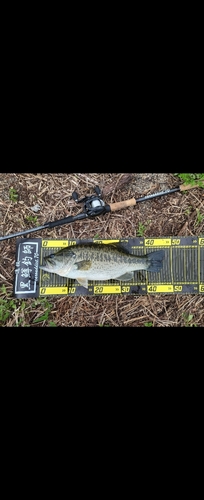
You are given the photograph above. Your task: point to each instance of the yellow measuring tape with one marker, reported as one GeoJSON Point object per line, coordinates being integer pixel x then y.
{"type": "Point", "coordinates": [183, 268]}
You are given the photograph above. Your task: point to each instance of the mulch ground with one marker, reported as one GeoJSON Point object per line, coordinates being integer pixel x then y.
{"type": "Point", "coordinates": [172, 215]}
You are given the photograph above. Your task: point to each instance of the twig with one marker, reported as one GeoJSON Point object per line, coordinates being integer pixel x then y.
{"type": "Point", "coordinates": [112, 186]}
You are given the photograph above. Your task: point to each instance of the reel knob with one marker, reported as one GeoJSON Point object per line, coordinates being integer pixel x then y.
{"type": "Point", "coordinates": [75, 196]}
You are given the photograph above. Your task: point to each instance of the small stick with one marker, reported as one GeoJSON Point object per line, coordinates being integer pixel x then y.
{"type": "Point", "coordinates": [124, 180]}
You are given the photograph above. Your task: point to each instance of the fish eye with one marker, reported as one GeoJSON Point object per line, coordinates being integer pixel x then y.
{"type": "Point", "coordinates": [51, 256]}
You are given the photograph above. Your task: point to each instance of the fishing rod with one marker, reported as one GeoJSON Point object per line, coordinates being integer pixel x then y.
{"type": "Point", "coordinates": [94, 206]}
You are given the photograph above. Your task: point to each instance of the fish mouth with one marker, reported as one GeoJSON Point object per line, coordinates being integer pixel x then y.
{"type": "Point", "coordinates": [47, 265]}
{"type": "Point", "coordinates": [44, 268]}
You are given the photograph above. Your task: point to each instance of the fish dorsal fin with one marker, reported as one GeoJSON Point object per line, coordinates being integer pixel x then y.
{"type": "Point", "coordinates": [83, 265]}
{"type": "Point", "coordinates": [115, 246]}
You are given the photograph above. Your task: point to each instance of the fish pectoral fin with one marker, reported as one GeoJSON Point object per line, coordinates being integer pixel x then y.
{"type": "Point", "coordinates": [83, 265]}
{"type": "Point", "coordinates": [83, 282]}
{"type": "Point", "coordinates": [126, 277]}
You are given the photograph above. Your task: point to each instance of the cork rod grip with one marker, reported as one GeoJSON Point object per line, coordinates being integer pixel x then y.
{"type": "Point", "coordinates": [184, 187]}
{"type": "Point", "coordinates": [122, 204]}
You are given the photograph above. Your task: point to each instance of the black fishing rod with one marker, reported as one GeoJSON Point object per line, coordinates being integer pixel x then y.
{"type": "Point", "coordinates": [155, 195]}
{"type": "Point", "coordinates": [94, 206]}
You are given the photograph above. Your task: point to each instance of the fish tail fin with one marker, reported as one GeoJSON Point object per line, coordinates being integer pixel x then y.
{"type": "Point", "coordinates": [155, 261]}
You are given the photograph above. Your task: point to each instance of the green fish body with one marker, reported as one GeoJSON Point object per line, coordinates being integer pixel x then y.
{"type": "Point", "coordinates": [102, 262]}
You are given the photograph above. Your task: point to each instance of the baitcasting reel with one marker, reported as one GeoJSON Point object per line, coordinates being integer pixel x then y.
{"type": "Point", "coordinates": [93, 205]}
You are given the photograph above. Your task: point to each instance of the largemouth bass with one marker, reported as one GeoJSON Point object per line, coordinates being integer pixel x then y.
{"type": "Point", "coordinates": [103, 262]}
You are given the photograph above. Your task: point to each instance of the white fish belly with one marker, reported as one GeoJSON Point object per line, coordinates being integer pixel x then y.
{"type": "Point", "coordinates": [102, 274]}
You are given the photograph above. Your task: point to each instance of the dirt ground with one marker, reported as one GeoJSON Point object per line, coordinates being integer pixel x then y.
{"type": "Point", "coordinates": [171, 215]}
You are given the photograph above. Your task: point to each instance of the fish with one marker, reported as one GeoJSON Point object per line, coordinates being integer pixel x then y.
{"type": "Point", "coordinates": [85, 262]}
